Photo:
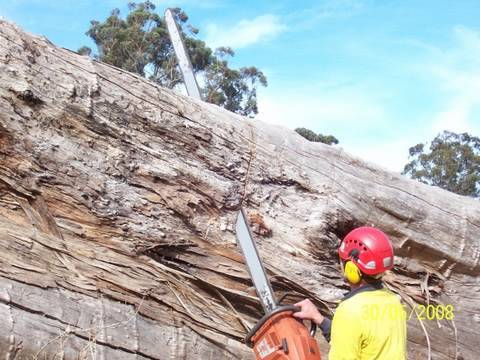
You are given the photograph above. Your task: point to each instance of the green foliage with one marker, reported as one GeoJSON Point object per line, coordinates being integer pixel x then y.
{"type": "Point", "coordinates": [140, 43]}
{"type": "Point", "coordinates": [85, 50]}
{"type": "Point", "coordinates": [311, 136]}
{"type": "Point", "coordinates": [453, 163]}
{"type": "Point", "coordinates": [231, 88]}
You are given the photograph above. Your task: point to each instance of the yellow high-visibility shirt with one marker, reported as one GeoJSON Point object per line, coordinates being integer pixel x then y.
{"type": "Point", "coordinates": [369, 325]}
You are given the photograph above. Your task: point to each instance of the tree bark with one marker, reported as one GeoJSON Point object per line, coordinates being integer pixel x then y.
{"type": "Point", "coordinates": [118, 201]}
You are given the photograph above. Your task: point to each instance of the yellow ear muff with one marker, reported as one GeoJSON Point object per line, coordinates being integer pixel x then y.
{"type": "Point", "coordinates": [352, 273]}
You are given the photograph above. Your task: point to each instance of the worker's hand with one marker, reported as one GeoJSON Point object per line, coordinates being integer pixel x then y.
{"type": "Point", "coordinates": [308, 312]}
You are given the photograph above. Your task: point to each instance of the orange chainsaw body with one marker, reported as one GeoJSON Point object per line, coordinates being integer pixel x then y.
{"type": "Point", "coordinates": [279, 336]}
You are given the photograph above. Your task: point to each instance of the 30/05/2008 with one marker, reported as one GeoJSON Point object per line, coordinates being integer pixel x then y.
{"type": "Point", "coordinates": [395, 312]}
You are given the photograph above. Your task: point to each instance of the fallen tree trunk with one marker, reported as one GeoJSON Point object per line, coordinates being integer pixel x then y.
{"type": "Point", "coordinates": [118, 200]}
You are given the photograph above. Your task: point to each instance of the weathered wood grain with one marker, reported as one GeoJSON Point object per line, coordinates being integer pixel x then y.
{"type": "Point", "coordinates": [118, 200]}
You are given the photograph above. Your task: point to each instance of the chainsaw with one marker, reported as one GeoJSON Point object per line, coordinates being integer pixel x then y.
{"type": "Point", "coordinates": [277, 335]}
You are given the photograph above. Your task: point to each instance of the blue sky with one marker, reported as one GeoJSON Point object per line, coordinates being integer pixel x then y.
{"type": "Point", "coordinates": [380, 75]}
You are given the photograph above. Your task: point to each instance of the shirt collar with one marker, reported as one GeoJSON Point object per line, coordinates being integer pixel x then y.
{"type": "Point", "coordinates": [367, 287]}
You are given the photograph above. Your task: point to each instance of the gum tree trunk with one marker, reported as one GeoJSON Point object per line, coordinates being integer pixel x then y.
{"type": "Point", "coordinates": [118, 200]}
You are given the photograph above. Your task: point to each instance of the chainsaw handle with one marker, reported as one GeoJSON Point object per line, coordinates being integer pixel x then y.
{"type": "Point", "coordinates": [313, 328]}
{"type": "Point", "coordinates": [264, 319]}
{"type": "Point", "coordinates": [313, 325]}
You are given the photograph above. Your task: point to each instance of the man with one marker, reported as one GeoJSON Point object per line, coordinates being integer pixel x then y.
{"type": "Point", "coordinates": [370, 322]}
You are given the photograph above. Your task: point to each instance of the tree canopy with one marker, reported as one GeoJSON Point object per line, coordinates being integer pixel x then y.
{"type": "Point", "coordinates": [312, 136]}
{"type": "Point", "coordinates": [452, 163]}
{"type": "Point", "coordinates": [140, 43]}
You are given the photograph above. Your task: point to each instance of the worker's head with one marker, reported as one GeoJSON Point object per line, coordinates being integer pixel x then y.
{"type": "Point", "coordinates": [366, 253]}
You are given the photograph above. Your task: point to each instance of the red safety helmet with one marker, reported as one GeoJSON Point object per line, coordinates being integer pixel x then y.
{"type": "Point", "coordinates": [369, 248]}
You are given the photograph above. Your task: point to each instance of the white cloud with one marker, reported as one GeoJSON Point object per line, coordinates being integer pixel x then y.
{"type": "Point", "coordinates": [336, 9]}
{"type": "Point", "coordinates": [456, 117]}
{"type": "Point", "coordinates": [389, 153]}
{"type": "Point", "coordinates": [316, 107]}
{"type": "Point", "coordinates": [457, 71]}
{"type": "Point", "coordinates": [245, 32]}
{"type": "Point", "coordinates": [309, 17]}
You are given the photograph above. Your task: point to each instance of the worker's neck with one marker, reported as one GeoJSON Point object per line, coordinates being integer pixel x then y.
{"type": "Point", "coordinates": [356, 286]}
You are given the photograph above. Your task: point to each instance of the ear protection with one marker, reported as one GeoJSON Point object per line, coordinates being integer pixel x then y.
{"type": "Point", "coordinates": [352, 273]}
